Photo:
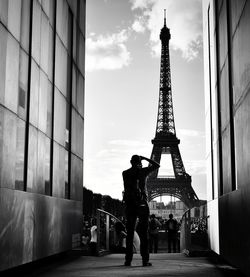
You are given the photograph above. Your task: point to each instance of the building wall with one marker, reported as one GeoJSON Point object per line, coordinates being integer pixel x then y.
{"type": "Point", "coordinates": [227, 90]}
{"type": "Point", "coordinates": [42, 49]}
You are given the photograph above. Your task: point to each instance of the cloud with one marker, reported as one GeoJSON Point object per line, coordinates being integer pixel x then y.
{"type": "Point", "coordinates": [139, 25]}
{"type": "Point", "coordinates": [107, 52]}
{"type": "Point", "coordinates": [184, 18]}
{"type": "Point", "coordinates": [190, 133]}
{"type": "Point", "coordinates": [195, 167]}
{"type": "Point", "coordinates": [141, 4]}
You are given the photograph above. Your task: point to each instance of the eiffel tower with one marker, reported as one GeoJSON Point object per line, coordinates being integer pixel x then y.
{"type": "Point", "coordinates": [165, 141]}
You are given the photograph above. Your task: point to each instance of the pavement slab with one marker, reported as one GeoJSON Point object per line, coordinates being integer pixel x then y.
{"type": "Point", "coordinates": [164, 265]}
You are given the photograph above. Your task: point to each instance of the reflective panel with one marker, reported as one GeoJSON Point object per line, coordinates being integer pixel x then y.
{"type": "Point", "coordinates": [3, 58]}
{"type": "Point", "coordinates": [241, 55]}
{"type": "Point", "coordinates": [47, 167]}
{"type": "Point", "coordinates": [66, 176]}
{"type": "Point", "coordinates": [44, 43]}
{"type": "Point", "coordinates": [226, 161]}
{"type": "Point", "coordinates": [80, 94]}
{"type": "Point", "coordinates": [82, 16]}
{"type": "Point", "coordinates": [48, 7]}
{"type": "Point", "coordinates": [23, 84]}
{"type": "Point", "coordinates": [20, 143]}
{"type": "Point", "coordinates": [36, 31]}
{"type": "Point", "coordinates": [75, 39]}
{"type": "Point", "coordinates": [77, 134]}
{"type": "Point", "coordinates": [236, 11]}
{"type": "Point", "coordinates": [60, 118]}
{"type": "Point", "coordinates": [61, 67]}
{"type": "Point", "coordinates": [43, 91]}
{"type": "Point", "coordinates": [14, 17]}
{"type": "Point", "coordinates": [12, 69]}
{"type": "Point", "coordinates": [4, 12]}
{"type": "Point", "coordinates": [49, 110]}
{"type": "Point", "coordinates": [32, 160]}
{"type": "Point", "coordinates": [58, 171]}
{"type": "Point", "coordinates": [69, 61]}
{"type": "Point", "coordinates": [76, 178]}
{"type": "Point", "coordinates": [242, 139]}
{"type": "Point", "coordinates": [67, 129]}
{"type": "Point", "coordinates": [224, 96]}
{"type": "Point", "coordinates": [41, 163]}
{"type": "Point", "coordinates": [81, 53]}
{"type": "Point", "coordinates": [25, 25]}
{"type": "Point", "coordinates": [7, 148]}
{"type": "Point", "coordinates": [223, 44]}
{"type": "Point", "coordinates": [73, 6]}
{"type": "Point", "coordinates": [74, 84]}
{"type": "Point", "coordinates": [34, 93]}
{"type": "Point", "coordinates": [50, 53]}
{"type": "Point", "coordinates": [62, 21]}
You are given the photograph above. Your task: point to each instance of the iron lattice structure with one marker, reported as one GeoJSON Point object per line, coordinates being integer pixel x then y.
{"type": "Point", "coordinates": [165, 141]}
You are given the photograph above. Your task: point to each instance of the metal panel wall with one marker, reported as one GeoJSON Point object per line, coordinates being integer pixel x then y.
{"type": "Point", "coordinates": [42, 48]}
{"type": "Point", "coordinates": [34, 226]}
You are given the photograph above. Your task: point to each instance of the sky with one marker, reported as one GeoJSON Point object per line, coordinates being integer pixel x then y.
{"type": "Point", "coordinates": [122, 87]}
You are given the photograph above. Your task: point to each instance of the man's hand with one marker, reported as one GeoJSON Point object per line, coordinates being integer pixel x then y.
{"type": "Point", "coordinates": [152, 162]}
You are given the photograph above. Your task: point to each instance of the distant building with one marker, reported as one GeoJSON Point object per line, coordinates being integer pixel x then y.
{"type": "Point", "coordinates": [227, 94]}
{"type": "Point", "coordinates": [42, 49]}
{"type": "Point", "coordinates": [152, 205]}
{"type": "Point", "coordinates": [177, 208]}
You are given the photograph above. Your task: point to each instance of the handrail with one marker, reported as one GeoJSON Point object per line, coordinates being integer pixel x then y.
{"type": "Point", "coordinates": [105, 212]}
{"type": "Point", "coordinates": [108, 215]}
{"type": "Point", "coordinates": [194, 229]}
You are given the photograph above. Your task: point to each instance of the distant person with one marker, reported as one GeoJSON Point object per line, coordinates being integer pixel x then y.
{"type": "Point", "coordinates": [136, 206]}
{"type": "Point", "coordinates": [121, 235]}
{"type": "Point", "coordinates": [154, 226]}
{"type": "Point", "coordinates": [172, 231]}
{"type": "Point", "coordinates": [93, 240]}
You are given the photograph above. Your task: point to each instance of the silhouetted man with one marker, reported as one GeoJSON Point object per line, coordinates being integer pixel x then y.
{"type": "Point", "coordinates": [135, 198]}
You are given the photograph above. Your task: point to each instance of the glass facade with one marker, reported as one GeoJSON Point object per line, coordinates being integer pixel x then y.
{"type": "Point", "coordinates": [227, 94]}
{"type": "Point", "coordinates": [42, 48]}
{"type": "Point", "coordinates": [221, 96]}
{"type": "Point", "coordinates": [42, 96]}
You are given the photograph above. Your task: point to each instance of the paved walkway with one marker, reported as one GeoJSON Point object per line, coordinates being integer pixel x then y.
{"type": "Point", "coordinates": [164, 265]}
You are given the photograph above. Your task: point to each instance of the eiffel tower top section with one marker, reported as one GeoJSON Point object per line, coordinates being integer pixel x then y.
{"type": "Point", "coordinates": [165, 120]}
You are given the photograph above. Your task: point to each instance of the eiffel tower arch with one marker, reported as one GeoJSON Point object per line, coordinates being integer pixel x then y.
{"type": "Point", "coordinates": [165, 141]}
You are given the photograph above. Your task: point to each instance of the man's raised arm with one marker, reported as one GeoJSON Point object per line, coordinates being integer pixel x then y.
{"type": "Point", "coordinates": [154, 165]}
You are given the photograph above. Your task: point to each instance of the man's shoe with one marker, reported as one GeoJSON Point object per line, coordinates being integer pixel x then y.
{"type": "Point", "coordinates": [146, 264]}
{"type": "Point", "coordinates": [127, 263]}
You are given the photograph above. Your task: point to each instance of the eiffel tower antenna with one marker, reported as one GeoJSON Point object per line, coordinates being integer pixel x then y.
{"type": "Point", "coordinates": [165, 141]}
{"type": "Point", "coordinates": [164, 17]}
